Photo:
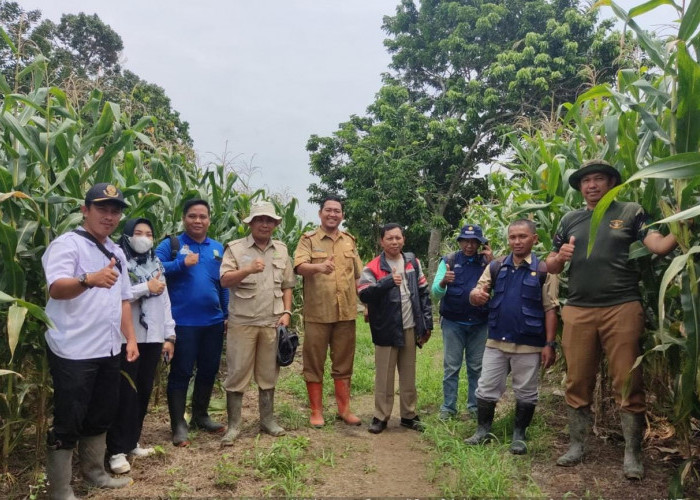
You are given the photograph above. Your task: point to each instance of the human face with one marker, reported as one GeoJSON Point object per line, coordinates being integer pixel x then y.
{"type": "Point", "coordinates": [143, 229]}
{"type": "Point", "coordinates": [261, 228]}
{"type": "Point", "coordinates": [197, 222]}
{"type": "Point", "coordinates": [101, 219]}
{"type": "Point", "coordinates": [469, 246]}
{"type": "Point", "coordinates": [331, 215]}
{"type": "Point", "coordinates": [521, 240]}
{"type": "Point", "coordinates": [392, 242]}
{"type": "Point", "coordinates": [594, 186]}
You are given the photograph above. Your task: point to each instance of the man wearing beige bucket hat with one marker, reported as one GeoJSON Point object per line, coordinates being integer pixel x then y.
{"type": "Point", "coordinates": [258, 271]}
{"type": "Point", "coordinates": [603, 312]}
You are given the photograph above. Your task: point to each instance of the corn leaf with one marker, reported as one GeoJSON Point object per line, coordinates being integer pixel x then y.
{"type": "Point", "coordinates": [15, 320]}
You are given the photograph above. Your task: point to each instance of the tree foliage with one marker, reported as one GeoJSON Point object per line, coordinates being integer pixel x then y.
{"type": "Point", "coordinates": [82, 54]}
{"type": "Point", "coordinates": [463, 73]}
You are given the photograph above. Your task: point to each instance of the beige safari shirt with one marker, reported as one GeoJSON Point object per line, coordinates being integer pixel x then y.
{"type": "Point", "coordinates": [550, 300]}
{"type": "Point", "coordinates": [257, 299]}
{"type": "Point", "coordinates": [329, 298]}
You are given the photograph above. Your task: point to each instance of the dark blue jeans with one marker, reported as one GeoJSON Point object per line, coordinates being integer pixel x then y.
{"type": "Point", "coordinates": [461, 343]}
{"type": "Point", "coordinates": [200, 345]}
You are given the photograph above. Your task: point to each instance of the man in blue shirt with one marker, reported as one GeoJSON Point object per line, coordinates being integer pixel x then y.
{"type": "Point", "coordinates": [200, 308]}
{"type": "Point", "coordinates": [463, 325]}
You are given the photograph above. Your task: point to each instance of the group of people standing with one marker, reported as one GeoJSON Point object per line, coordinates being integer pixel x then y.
{"type": "Point", "coordinates": [112, 312]}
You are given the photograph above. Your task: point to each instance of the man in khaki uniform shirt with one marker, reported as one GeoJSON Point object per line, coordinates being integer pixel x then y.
{"type": "Point", "coordinates": [327, 259]}
{"type": "Point", "coordinates": [259, 273]}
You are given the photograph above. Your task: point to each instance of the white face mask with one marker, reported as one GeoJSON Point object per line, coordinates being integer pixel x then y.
{"type": "Point", "coordinates": [140, 244]}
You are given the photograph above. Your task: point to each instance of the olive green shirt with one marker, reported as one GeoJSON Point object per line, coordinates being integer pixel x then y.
{"type": "Point", "coordinates": [607, 277]}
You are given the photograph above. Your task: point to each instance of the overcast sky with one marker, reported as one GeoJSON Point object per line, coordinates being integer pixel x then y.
{"type": "Point", "coordinates": [257, 77]}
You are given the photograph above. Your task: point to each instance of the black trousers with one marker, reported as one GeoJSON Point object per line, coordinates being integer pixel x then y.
{"type": "Point", "coordinates": [133, 402]}
{"type": "Point", "coordinates": [85, 394]}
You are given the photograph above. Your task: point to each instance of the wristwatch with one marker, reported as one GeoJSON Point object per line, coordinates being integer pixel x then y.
{"type": "Point", "coordinates": [553, 344]}
{"type": "Point", "coordinates": [82, 279]}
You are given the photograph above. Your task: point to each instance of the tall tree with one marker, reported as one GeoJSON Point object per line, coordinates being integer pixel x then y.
{"type": "Point", "coordinates": [463, 73]}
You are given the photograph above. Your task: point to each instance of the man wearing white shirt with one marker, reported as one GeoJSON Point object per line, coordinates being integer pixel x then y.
{"type": "Point", "coordinates": [90, 310]}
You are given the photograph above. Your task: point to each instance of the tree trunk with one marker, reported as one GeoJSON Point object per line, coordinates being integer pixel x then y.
{"type": "Point", "coordinates": [433, 252]}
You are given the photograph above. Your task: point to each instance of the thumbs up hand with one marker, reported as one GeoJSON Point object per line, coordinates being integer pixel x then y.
{"type": "Point", "coordinates": [449, 276]}
{"type": "Point", "coordinates": [479, 296]}
{"type": "Point", "coordinates": [396, 276]}
{"type": "Point", "coordinates": [328, 265]}
{"type": "Point", "coordinates": [155, 285]}
{"type": "Point", "coordinates": [566, 251]}
{"type": "Point", "coordinates": [257, 266]}
{"type": "Point", "coordinates": [105, 277]}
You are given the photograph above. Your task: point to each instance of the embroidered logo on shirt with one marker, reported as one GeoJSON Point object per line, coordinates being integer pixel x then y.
{"type": "Point", "coordinates": [616, 224]}
{"type": "Point", "coordinates": [185, 250]}
{"type": "Point", "coordinates": [217, 256]}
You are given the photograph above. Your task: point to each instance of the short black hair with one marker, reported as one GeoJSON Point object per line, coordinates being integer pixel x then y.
{"type": "Point", "coordinates": [524, 222]}
{"type": "Point", "coordinates": [332, 197]}
{"type": "Point", "coordinates": [389, 227]}
{"type": "Point", "coordinates": [195, 201]}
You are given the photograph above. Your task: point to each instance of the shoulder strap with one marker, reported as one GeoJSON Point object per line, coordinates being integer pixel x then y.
{"type": "Point", "coordinates": [542, 271]}
{"type": "Point", "coordinates": [450, 261]}
{"type": "Point", "coordinates": [100, 247]}
{"type": "Point", "coordinates": [174, 246]}
{"type": "Point", "coordinates": [494, 267]}
{"type": "Point", "coordinates": [411, 257]}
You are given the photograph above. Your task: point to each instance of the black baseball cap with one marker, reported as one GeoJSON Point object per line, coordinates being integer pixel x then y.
{"type": "Point", "coordinates": [105, 192]}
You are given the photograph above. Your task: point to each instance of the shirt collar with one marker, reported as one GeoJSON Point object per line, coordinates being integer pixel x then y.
{"type": "Point", "coordinates": [249, 241]}
{"type": "Point", "coordinates": [189, 241]}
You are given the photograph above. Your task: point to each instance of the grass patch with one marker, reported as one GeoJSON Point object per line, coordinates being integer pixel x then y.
{"type": "Point", "coordinates": [283, 465]}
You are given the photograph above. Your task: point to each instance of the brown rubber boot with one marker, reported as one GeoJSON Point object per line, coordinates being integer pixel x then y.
{"type": "Point", "coordinates": [315, 390]}
{"type": "Point", "coordinates": [342, 397]}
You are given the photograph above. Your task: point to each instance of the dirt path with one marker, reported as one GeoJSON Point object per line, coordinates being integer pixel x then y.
{"type": "Point", "coordinates": [341, 461]}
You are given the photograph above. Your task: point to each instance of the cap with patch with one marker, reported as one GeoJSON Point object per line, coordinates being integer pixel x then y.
{"type": "Point", "coordinates": [471, 231]}
{"type": "Point", "coordinates": [104, 192]}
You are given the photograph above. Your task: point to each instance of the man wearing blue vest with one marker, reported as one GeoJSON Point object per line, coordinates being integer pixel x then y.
{"type": "Point", "coordinates": [463, 325]}
{"type": "Point", "coordinates": [522, 327]}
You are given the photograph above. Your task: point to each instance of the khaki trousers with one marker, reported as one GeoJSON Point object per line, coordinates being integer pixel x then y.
{"type": "Point", "coordinates": [387, 361]}
{"type": "Point", "coordinates": [251, 351]}
{"type": "Point", "coordinates": [615, 331]}
{"type": "Point", "coordinates": [340, 336]}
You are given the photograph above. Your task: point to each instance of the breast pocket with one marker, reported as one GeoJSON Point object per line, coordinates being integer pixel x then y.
{"type": "Point", "coordinates": [349, 260]}
{"type": "Point", "coordinates": [278, 267]}
{"type": "Point", "coordinates": [317, 257]}
{"type": "Point", "coordinates": [244, 298]}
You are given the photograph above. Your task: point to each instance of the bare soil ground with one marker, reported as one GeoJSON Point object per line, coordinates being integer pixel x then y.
{"type": "Point", "coordinates": [343, 461]}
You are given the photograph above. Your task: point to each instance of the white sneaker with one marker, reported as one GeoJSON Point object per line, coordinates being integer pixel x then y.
{"type": "Point", "coordinates": [141, 452]}
{"type": "Point", "coordinates": [119, 464]}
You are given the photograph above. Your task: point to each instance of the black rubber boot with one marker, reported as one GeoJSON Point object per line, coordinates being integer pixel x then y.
{"type": "Point", "coordinates": [579, 428]}
{"type": "Point", "coordinates": [523, 417]}
{"type": "Point", "coordinates": [176, 407]}
{"type": "Point", "coordinates": [200, 410]}
{"type": "Point", "coordinates": [633, 430]}
{"type": "Point", "coordinates": [485, 411]}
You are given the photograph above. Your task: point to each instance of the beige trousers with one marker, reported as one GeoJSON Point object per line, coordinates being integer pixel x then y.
{"type": "Point", "coordinates": [251, 351]}
{"type": "Point", "coordinates": [387, 360]}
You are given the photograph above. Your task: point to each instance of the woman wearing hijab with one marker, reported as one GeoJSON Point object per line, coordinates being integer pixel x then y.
{"type": "Point", "coordinates": [155, 334]}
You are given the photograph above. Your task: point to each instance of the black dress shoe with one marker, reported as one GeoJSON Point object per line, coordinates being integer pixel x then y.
{"type": "Point", "coordinates": [376, 426]}
{"type": "Point", "coordinates": [413, 423]}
